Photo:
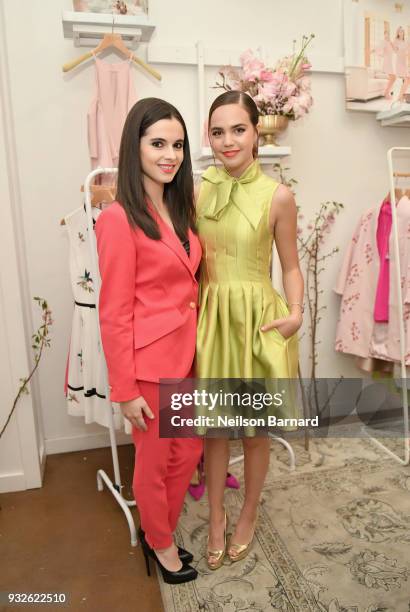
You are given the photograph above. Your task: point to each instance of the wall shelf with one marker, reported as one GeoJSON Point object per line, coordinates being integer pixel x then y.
{"type": "Point", "coordinates": [87, 28]}
{"type": "Point", "coordinates": [267, 154]}
{"type": "Point", "coordinates": [395, 117]}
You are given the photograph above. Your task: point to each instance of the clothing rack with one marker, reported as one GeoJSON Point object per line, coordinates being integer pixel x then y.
{"type": "Point", "coordinates": [406, 438]}
{"type": "Point", "coordinates": [102, 477]}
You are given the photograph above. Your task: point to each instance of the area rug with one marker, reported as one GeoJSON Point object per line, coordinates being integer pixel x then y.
{"type": "Point", "coordinates": [332, 536]}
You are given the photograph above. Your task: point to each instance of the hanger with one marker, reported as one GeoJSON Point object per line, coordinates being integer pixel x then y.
{"type": "Point", "coordinates": [398, 194]}
{"type": "Point", "coordinates": [100, 194]}
{"type": "Point", "coordinates": [401, 192]}
{"type": "Point", "coordinates": [115, 41]}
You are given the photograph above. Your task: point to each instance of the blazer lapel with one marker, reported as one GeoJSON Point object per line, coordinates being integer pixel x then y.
{"type": "Point", "coordinates": [171, 240]}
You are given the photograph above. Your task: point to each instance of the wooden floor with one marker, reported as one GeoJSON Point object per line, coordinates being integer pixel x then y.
{"type": "Point", "coordinates": [68, 537]}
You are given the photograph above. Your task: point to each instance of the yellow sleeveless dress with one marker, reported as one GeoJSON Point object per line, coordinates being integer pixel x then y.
{"type": "Point", "coordinates": [236, 293]}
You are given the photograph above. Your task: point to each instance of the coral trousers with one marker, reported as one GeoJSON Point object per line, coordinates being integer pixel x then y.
{"type": "Point", "coordinates": [162, 473]}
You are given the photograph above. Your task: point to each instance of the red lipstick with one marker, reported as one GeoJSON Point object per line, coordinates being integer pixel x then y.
{"type": "Point", "coordinates": [230, 153]}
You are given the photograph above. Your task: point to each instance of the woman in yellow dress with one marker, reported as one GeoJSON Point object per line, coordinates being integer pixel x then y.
{"type": "Point", "coordinates": [246, 329]}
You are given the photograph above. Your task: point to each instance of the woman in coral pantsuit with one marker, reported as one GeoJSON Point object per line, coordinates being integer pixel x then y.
{"type": "Point", "coordinates": [148, 256]}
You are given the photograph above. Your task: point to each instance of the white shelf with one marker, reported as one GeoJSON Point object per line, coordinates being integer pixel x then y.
{"type": "Point", "coordinates": [87, 28]}
{"type": "Point", "coordinates": [395, 117]}
{"type": "Point", "coordinates": [398, 122]}
{"type": "Point", "coordinates": [266, 154]}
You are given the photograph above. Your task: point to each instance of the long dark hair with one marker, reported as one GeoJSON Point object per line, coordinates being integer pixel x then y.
{"type": "Point", "coordinates": [244, 100]}
{"type": "Point", "coordinates": [178, 195]}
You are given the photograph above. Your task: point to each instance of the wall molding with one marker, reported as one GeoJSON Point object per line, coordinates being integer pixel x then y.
{"type": "Point", "coordinates": [84, 442]}
{"type": "Point", "coordinates": [216, 56]}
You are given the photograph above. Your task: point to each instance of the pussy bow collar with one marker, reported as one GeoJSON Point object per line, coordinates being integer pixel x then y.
{"type": "Point", "coordinates": [230, 190]}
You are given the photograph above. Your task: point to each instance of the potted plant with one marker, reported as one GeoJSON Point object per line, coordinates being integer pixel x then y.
{"type": "Point", "coordinates": [281, 93]}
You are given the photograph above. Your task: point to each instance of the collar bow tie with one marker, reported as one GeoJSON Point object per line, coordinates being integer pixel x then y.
{"type": "Point", "coordinates": [230, 190]}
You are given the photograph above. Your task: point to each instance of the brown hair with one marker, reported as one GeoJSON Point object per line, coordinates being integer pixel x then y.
{"type": "Point", "coordinates": [178, 194]}
{"type": "Point", "coordinates": [244, 100]}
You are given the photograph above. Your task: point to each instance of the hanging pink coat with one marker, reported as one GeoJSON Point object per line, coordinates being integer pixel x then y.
{"type": "Point", "coordinates": [357, 332]}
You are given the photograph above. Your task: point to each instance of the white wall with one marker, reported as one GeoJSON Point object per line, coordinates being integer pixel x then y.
{"type": "Point", "coordinates": [336, 155]}
{"type": "Point", "coordinates": [22, 443]}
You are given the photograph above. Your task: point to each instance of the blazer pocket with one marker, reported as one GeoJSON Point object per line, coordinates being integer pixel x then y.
{"type": "Point", "coordinates": [149, 329]}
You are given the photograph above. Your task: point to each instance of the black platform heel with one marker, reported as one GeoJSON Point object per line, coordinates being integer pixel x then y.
{"type": "Point", "coordinates": [183, 554]}
{"type": "Point", "coordinates": [185, 574]}
{"type": "Point", "coordinates": [146, 557]}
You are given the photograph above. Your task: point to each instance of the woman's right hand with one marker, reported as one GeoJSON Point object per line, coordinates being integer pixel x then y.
{"type": "Point", "coordinates": [134, 410]}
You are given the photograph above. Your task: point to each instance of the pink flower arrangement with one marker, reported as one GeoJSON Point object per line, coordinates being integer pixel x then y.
{"type": "Point", "coordinates": [282, 90]}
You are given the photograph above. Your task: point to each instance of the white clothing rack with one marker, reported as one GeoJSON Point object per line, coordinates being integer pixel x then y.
{"type": "Point", "coordinates": [102, 476]}
{"type": "Point", "coordinates": [406, 438]}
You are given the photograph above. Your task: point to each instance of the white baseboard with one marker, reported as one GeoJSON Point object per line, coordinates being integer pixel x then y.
{"type": "Point", "coordinates": [83, 442]}
{"type": "Point", "coordinates": [12, 482]}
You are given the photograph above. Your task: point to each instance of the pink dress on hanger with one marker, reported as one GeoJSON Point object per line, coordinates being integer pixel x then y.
{"type": "Point", "coordinates": [114, 97]}
{"type": "Point", "coordinates": [401, 48]}
{"type": "Point", "coordinates": [387, 51]}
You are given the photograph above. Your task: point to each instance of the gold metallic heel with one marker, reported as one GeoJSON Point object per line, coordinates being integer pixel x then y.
{"type": "Point", "coordinates": [240, 550]}
{"type": "Point", "coordinates": [217, 555]}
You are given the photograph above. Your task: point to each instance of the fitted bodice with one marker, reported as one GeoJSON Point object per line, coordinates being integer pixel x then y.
{"type": "Point", "coordinates": [233, 224]}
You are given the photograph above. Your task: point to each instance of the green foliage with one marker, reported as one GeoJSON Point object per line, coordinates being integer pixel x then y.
{"type": "Point", "coordinates": [311, 240]}
{"type": "Point", "coordinates": [40, 339]}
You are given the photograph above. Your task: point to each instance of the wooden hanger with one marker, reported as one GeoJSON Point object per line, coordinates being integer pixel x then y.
{"type": "Point", "coordinates": [398, 194]}
{"type": "Point", "coordinates": [100, 194]}
{"type": "Point", "coordinates": [403, 192]}
{"type": "Point", "coordinates": [115, 41]}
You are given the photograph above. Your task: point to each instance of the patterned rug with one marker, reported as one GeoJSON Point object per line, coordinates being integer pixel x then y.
{"type": "Point", "coordinates": [332, 536]}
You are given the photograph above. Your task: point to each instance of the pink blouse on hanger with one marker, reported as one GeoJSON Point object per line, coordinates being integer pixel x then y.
{"type": "Point", "coordinates": [114, 97]}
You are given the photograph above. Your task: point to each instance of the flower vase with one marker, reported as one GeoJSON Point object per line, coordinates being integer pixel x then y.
{"type": "Point", "coordinates": [269, 127]}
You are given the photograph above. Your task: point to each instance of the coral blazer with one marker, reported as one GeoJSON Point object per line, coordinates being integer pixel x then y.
{"type": "Point", "coordinates": [148, 302]}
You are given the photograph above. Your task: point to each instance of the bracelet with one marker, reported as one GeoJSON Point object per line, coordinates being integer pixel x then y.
{"type": "Point", "coordinates": [298, 304]}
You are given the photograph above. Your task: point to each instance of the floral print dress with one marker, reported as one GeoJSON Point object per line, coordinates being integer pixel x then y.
{"type": "Point", "coordinates": [84, 382]}
{"type": "Point", "coordinates": [358, 333]}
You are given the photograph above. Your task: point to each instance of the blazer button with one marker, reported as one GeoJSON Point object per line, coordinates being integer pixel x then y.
{"type": "Point", "coordinates": [192, 305]}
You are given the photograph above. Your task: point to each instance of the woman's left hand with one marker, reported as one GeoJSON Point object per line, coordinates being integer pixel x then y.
{"type": "Point", "coordinates": [287, 326]}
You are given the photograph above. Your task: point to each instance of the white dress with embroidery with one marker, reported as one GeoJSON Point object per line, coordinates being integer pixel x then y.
{"type": "Point", "coordinates": [84, 383]}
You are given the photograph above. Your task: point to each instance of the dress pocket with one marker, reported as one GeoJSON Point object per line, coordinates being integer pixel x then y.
{"type": "Point", "coordinates": [280, 335]}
